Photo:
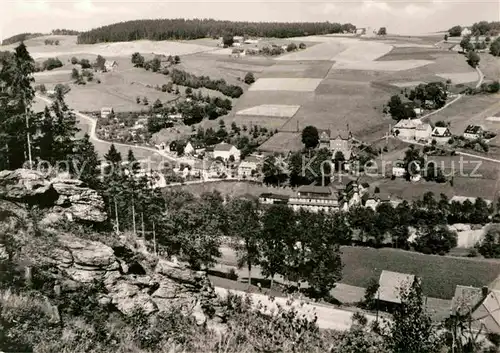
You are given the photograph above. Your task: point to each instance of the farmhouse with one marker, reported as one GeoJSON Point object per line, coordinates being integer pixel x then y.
{"type": "Point", "coordinates": [105, 112]}
{"type": "Point", "coordinates": [473, 132]}
{"type": "Point", "coordinates": [225, 151]}
{"type": "Point", "coordinates": [189, 149]}
{"type": "Point", "coordinates": [314, 198]}
{"type": "Point", "coordinates": [412, 129]}
{"type": "Point", "coordinates": [423, 132]}
{"type": "Point", "coordinates": [110, 65]}
{"type": "Point", "coordinates": [238, 52]}
{"type": "Point", "coordinates": [441, 134]}
{"type": "Point", "coordinates": [466, 32]}
{"type": "Point", "coordinates": [390, 286]}
{"type": "Point", "coordinates": [398, 169]}
{"type": "Point", "coordinates": [246, 168]}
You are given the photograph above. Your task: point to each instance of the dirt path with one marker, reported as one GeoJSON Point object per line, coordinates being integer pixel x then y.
{"type": "Point", "coordinates": [328, 317]}
{"type": "Point", "coordinates": [97, 141]}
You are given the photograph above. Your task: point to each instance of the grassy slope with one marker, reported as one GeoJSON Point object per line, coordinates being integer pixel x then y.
{"type": "Point", "coordinates": [439, 274]}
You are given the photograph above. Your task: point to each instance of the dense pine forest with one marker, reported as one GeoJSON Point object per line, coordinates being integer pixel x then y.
{"type": "Point", "coordinates": [20, 37]}
{"type": "Point", "coordinates": [166, 29]}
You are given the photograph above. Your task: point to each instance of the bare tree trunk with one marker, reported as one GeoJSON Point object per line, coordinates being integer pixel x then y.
{"type": "Point", "coordinates": [116, 218]}
{"type": "Point", "coordinates": [249, 274]}
{"type": "Point", "coordinates": [272, 281]}
{"type": "Point", "coordinates": [142, 221]}
{"type": "Point", "coordinates": [28, 275]}
{"type": "Point", "coordinates": [133, 217]}
{"type": "Point", "coordinates": [154, 238]}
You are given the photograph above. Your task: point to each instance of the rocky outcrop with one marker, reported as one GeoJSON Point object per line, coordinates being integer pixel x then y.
{"type": "Point", "coordinates": [128, 284]}
{"type": "Point", "coordinates": [130, 277]}
{"type": "Point", "coordinates": [62, 198]}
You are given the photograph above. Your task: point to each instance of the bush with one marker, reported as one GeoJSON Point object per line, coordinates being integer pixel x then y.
{"type": "Point", "coordinates": [249, 78]}
{"type": "Point", "coordinates": [52, 63]}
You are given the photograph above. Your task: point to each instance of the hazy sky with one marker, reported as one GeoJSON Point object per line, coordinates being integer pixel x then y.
{"type": "Point", "coordinates": [399, 16]}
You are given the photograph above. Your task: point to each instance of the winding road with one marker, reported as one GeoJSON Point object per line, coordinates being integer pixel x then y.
{"type": "Point", "coordinates": [328, 316]}
{"type": "Point", "coordinates": [90, 125]}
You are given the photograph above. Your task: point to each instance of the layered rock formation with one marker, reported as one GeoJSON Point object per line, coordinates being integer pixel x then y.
{"type": "Point", "coordinates": [61, 198]}
{"type": "Point", "coordinates": [131, 280]}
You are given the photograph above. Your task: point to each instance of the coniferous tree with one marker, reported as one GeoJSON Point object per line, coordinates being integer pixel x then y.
{"type": "Point", "coordinates": [85, 163]}
{"type": "Point", "coordinates": [17, 93]}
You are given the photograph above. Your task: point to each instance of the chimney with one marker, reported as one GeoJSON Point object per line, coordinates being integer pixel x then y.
{"type": "Point", "coordinates": [485, 291]}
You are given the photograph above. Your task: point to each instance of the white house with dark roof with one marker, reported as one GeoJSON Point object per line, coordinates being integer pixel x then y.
{"type": "Point", "coordinates": [412, 129]}
{"type": "Point", "coordinates": [225, 151]}
{"type": "Point", "coordinates": [110, 65]}
{"type": "Point", "coordinates": [473, 132]}
{"type": "Point", "coordinates": [441, 134]}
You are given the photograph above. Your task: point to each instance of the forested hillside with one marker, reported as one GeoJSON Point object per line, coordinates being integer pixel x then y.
{"type": "Point", "coordinates": [20, 37]}
{"type": "Point", "coordinates": [165, 29]}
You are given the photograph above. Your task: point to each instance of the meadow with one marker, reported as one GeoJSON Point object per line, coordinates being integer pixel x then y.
{"type": "Point", "coordinates": [439, 274]}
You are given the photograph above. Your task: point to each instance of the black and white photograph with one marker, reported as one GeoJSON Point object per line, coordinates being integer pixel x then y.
{"type": "Point", "coordinates": [250, 176]}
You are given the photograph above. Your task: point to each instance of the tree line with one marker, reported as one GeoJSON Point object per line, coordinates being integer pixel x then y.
{"type": "Point", "coordinates": [183, 78]}
{"type": "Point", "coordinates": [20, 38]}
{"type": "Point", "coordinates": [184, 29]}
{"type": "Point", "coordinates": [478, 29]}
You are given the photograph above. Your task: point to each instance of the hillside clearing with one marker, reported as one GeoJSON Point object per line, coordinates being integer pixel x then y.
{"type": "Point", "coordinates": [400, 65]}
{"type": "Point", "coordinates": [286, 84]}
{"type": "Point", "coordinates": [274, 110]}
{"type": "Point", "coordinates": [458, 78]}
{"type": "Point", "coordinates": [439, 274]}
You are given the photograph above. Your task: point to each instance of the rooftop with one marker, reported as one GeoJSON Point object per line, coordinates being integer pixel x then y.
{"type": "Point", "coordinates": [391, 284]}
{"type": "Point", "coordinates": [274, 196]}
{"type": "Point", "coordinates": [441, 131]}
{"type": "Point", "coordinates": [408, 124]}
{"type": "Point", "coordinates": [313, 189]}
{"type": "Point", "coordinates": [466, 299]}
{"type": "Point", "coordinates": [473, 129]}
{"type": "Point", "coordinates": [223, 147]}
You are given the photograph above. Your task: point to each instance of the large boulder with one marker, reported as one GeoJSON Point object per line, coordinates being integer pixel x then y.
{"type": "Point", "coordinates": [23, 185]}
{"type": "Point", "coordinates": [81, 202]}
{"type": "Point", "coordinates": [62, 198]}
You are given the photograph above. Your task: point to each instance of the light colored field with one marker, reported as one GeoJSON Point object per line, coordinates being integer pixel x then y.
{"type": "Point", "coordinates": [457, 78]}
{"type": "Point", "coordinates": [362, 50]}
{"type": "Point", "coordinates": [276, 110]}
{"type": "Point", "coordinates": [289, 69]}
{"type": "Point", "coordinates": [286, 84]}
{"type": "Point", "coordinates": [37, 48]}
{"type": "Point", "coordinates": [401, 65]}
{"type": "Point", "coordinates": [407, 84]}
{"type": "Point", "coordinates": [325, 51]}
{"type": "Point", "coordinates": [51, 73]}
{"type": "Point", "coordinates": [494, 118]}
{"type": "Point", "coordinates": [411, 45]}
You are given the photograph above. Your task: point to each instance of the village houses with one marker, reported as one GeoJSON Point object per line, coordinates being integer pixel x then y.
{"type": "Point", "coordinates": [225, 151]}
{"type": "Point", "coordinates": [412, 129]}
{"type": "Point", "coordinates": [248, 167]}
{"type": "Point", "coordinates": [338, 141]}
